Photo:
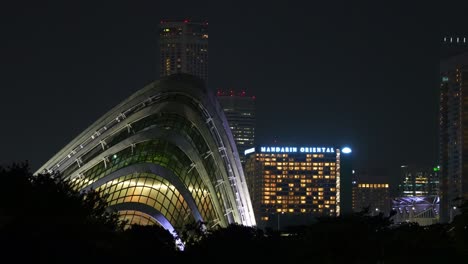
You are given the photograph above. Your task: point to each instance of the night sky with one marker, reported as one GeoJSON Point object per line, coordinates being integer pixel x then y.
{"type": "Point", "coordinates": [340, 73]}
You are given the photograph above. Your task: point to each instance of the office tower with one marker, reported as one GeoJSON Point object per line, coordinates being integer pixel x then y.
{"type": "Point", "coordinates": [240, 113]}
{"type": "Point", "coordinates": [418, 182]}
{"type": "Point", "coordinates": [453, 136]}
{"type": "Point", "coordinates": [183, 48]}
{"type": "Point", "coordinates": [163, 156]}
{"type": "Point", "coordinates": [374, 196]}
{"type": "Point", "coordinates": [290, 185]}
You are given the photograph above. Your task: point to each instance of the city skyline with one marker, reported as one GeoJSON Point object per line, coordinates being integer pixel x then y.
{"type": "Point", "coordinates": [378, 88]}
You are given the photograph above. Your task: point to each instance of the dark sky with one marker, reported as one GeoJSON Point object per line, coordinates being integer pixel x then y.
{"type": "Point", "coordinates": [339, 72]}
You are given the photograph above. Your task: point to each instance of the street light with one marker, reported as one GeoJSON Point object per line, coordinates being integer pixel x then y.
{"type": "Point", "coordinates": [279, 220]}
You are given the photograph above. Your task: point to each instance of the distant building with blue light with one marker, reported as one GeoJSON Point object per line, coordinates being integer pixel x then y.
{"type": "Point", "coordinates": [291, 185]}
{"type": "Point", "coordinates": [424, 210]}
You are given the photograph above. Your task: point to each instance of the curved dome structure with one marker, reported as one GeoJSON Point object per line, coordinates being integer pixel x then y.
{"type": "Point", "coordinates": [165, 155]}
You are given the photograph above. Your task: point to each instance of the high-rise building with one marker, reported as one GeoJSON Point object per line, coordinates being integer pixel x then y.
{"type": "Point", "coordinates": [240, 114]}
{"type": "Point", "coordinates": [453, 136]}
{"type": "Point", "coordinates": [418, 182]}
{"type": "Point", "coordinates": [374, 196]}
{"type": "Point", "coordinates": [183, 48]}
{"type": "Point", "coordinates": [291, 185]}
{"type": "Point", "coordinates": [163, 156]}
{"type": "Point", "coordinates": [452, 46]}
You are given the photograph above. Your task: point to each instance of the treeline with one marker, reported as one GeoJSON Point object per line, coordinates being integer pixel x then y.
{"type": "Point", "coordinates": [42, 219]}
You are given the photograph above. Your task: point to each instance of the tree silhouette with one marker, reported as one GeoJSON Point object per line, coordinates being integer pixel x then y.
{"type": "Point", "coordinates": [44, 216]}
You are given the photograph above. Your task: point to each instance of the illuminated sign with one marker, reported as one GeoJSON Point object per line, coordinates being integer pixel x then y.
{"type": "Point", "coordinates": [346, 150]}
{"type": "Point", "coordinates": [248, 151]}
{"type": "Point", "coordinates": [274, 149]}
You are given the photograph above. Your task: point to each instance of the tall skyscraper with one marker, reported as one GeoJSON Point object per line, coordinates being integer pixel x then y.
{"type": "Point", "coordinates": [183, 48]}
{"type": "Point", "coordinates": [453, 135]}
{"type": "Point", "coordinates": [240, 113]}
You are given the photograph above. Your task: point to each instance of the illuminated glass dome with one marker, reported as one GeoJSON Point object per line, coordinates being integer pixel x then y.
{"type": "Point", "coordinates": [165, 155]}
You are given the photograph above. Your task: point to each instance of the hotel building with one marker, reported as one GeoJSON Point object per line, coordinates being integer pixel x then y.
{"type": "Point", "coordinates": [292, 185]}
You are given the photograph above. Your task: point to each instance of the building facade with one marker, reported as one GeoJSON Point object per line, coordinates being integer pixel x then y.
{"type": "Point", "coordinates": [419, 182]}
{"type": "Point", "coordinates": [240, 113]}
{"type": "Point", "coordinates": [163, 156]}
{"type": "Point", "coordinates": [373, 196]}
{"type": "Point", "coordinates": [291, 185]}
{"type": "Point", "coordinates": [453, 136]}
{"type": "Point", "coordinates": [183, 48]}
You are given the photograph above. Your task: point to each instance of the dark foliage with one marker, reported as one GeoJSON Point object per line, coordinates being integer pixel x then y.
{"type": "Point", "coordinates": [42, 219]}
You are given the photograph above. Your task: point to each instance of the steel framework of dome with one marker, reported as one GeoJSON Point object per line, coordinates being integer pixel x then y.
{"type": "Point", "coordinates": [165, 155]}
